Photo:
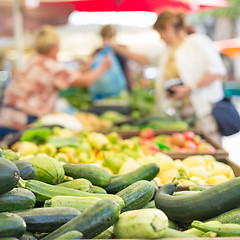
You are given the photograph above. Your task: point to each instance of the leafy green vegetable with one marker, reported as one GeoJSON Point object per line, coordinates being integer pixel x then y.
{"type": "Point", "coordinates": [59, 142]}
{"type": "Point", "coordinates": [37, 135]}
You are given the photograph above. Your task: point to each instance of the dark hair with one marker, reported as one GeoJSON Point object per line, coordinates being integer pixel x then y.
{"type": "Point", "coordinates": [177, 20]}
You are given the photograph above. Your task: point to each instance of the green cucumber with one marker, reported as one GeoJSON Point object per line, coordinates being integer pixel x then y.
{"type": "Point", "coordinates": [71, 235]}
{"type": "Point", "coordinates": [48, 169]}
{"type": "Point", "coordinates": [17, 199]}
{"type": "Point", "coordinates": [232, 216]}
{"type": "Point", "coordinates": [95, 220]}
{"type": "Point", "coordinates": [26, 169]}
{"type": "Point", "coordinates": [44, 191]}
{"type": "Point", "coordinates": [172, 233]}
{"type": "Point", "coordinates": [172, 225]}
{"type": "Point", "coordinates": [136, 195]}
{"type": "Point", "coordinates": [28, 236]}
{"type": "Point", "coordinates": [95, 174]}
{"type": "Point", "coordinates": [9, 175]}
{"type": "Point", "coordinates": [46, 220]}
{"type": "Point", "coordinates": [9, 238]}
{"type": "Point", "coordinates": [141, 223]}
{"type": "Point", "coordinates": [80, 203]}
{"type": "Point", "coordinates": [78, 184]}
{"type": "Point", "coordinates": [195, 232]}
{"type": "Point", "coordinates": [107, 234]}
{"type": "Point", "coordinates": [199, 206]}
{"type": "Point", "coordinates": [150, 204]}
{"type": "Point", "coordinates": [97, 189]}
{"type": "Point", "coordinates": [181, 193]}
{"type": "Point", "coordinates": [146, 172]}
{"type": "Point", "coordinates": [222, 229]}
{"type": "Point", "coordinates": [11, 225]}
{"type": "Point", "coordinates": [199, 187]}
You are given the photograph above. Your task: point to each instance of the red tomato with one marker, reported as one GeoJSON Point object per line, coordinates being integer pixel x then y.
{"type": "Point", "coordinates": [178, 139]}
{"type": "Point", "coordinates": [144, 141]}
{"type": "Point", "coordinates": [147, 133]}
{"type": "Point", "coordinates": [190, 146]}
{"type": "Point", "coordinates": [154, 148]}
{"type": "Point", "coordinates": [189, 135]}
{"type": "Point", "coordinates": [206, 147]}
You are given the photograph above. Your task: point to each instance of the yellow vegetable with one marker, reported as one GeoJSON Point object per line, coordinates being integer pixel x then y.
{"type": "Point", "coordinates": [217, 179]}
{"type": "Point", "coordinates": [209, 159]}
{"type": "Point", "coordinates": [129, 165]}
{"type": "Point", "coordinates": [200, 172]}
{"type": "Point", "coordinates": [167, 166]}
{"type": "Point", "coordinates": [223, 169]}
{"type": "Point", "coordinates": [198, 180]}
{"type": "Point", "coordinates": [26, 148]}
{"type": "Point", "coordinates": [186, 182]}
{"type": "Point", "coordinates": [162, 158]}
{"type": "Point", "coordinates": [168, 176]}
{"type": "Point", "coordinates": [194, 161]}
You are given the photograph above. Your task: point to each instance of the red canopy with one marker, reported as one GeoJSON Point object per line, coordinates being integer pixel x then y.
{"type": "Point", "coordinates": [146, 5]}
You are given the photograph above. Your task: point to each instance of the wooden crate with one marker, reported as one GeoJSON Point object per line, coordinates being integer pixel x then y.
{"type": "Point", "coordinates": [220, 153]}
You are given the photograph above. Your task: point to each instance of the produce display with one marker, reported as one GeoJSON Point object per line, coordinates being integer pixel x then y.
{"type": "Point", "coordinates": [130, 205]}
{"type": "Point", "coordinates": [120, 156]}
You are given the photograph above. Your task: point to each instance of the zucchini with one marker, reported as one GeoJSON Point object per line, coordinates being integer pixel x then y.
{"type": "Point", "coordinates": [199, 206]}
{"type": "Point", "coordinates": [107, 234]}
{"type": "Point", "coordinates": [9, 238]}
{"type": "Point", "coordinates": [48, 169]}
{"type": "Point", "coordinates": [44, 191]}
{"type": "Point", "coordinates": [95, 220]}
{"type": "Point", "coordinates": [181, 193]}
{"type": "Point", "coordinates": [80, 203]}
{"type": "Point", "coordinates": [46, 220]}
{"type": "Point", "coordinates": [9, 175]}
{"type": "Point", "coordinates": [222, 229]}
{"type": "Point", "coordinates": [28, 236]}
{"type": "Point", "coordinates": [150, 204]}
{"type": "Point", "coordinates": [172, 233]}
{"type": "Point", "coordinates": [11, 225]}
{"type": "Point", "coordinates": [17, 199]}
{"type": "Point", "coordinates": [26, 169]}
{"type": "Point", "coordinates": [71, 235]}
{"type": "Point", "coordinates": [95, 174]}
{"type": "Point", "coordinates": [146, 172]}
{"type": "Point", "coordinates": [232, 216]}
{"type": "Point", "coordinates": [142, 223]}
{"type": "Point", "coordinates": [137, 195]}
{"type": "Point", "coordinates": [97, 189]}
{"type": "Point", "coordinates": [78, 184]}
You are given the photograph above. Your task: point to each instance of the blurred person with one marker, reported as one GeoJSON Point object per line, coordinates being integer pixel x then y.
{"type": "Point", "coordinates": [191, 72]}
{"type": "Point", "coordinates": [34, 90]}
{"type": "Point", "coordinates": [123, 54]}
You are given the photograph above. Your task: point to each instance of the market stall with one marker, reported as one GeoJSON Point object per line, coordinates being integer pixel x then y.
{"type": "Point", "coordinates": [115, 167]}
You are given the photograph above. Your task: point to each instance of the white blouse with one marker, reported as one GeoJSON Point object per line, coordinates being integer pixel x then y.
{"type": "Point", "coordinates": [194, 58]}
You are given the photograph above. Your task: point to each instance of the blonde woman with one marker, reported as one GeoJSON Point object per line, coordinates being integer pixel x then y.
{"type": "Point", "coordinates": [33, 92]}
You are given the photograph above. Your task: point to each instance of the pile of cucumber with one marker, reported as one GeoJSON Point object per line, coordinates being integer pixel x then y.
{"type": "Point", "coordinates": [42, 199]}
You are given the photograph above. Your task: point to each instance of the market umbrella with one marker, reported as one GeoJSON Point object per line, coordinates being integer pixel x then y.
{"type": "Point", "coordinates": [229, 47]}
{"type": "Point", "coordinates": [146, 5]}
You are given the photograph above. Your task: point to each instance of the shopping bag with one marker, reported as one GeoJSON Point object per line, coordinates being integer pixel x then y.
{"type": "Point", "coordinates": [227, 117]}
{"type": "Point", "coordinates": [112, 82]}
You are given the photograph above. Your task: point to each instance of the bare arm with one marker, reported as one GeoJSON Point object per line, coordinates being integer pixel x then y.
{"type": "Point", "coordinates": [183, 90]}
{"type": "Point", "coordinates": [208, 78]}
{"type": "Point", "coordinates": [123, 50]}
{"type": "Point", "coordinates": [88, 78]}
